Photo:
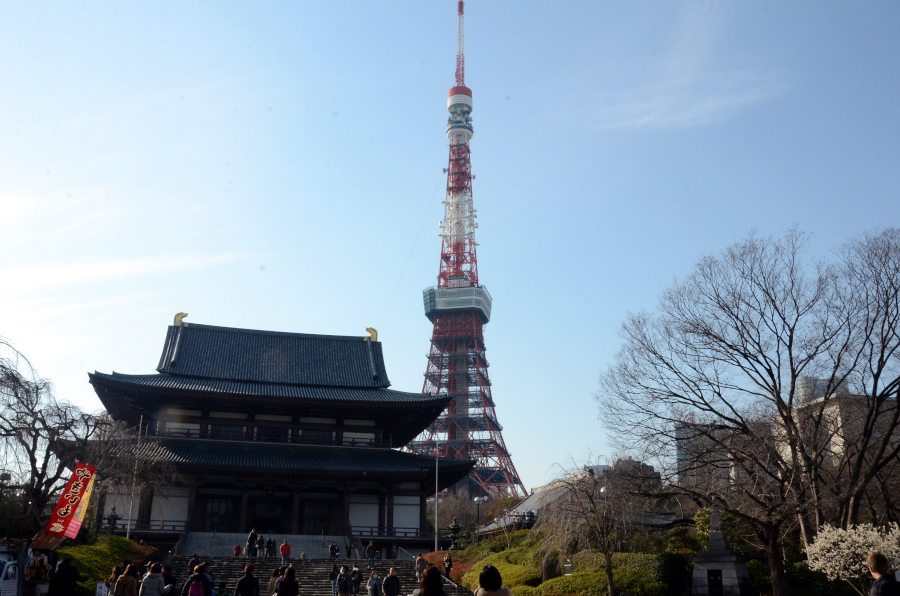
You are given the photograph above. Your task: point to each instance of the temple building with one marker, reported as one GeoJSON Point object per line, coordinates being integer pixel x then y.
{"type": "Point", "coordinates": [287, 433]}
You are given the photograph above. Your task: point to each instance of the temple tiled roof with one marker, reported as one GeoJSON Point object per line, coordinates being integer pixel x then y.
{"type": "Point", "coordinates": [246, 388]}
{"type": "Point", "coordinates": [230, 354]}
{"type": "Point", "coordinates": [305, 459]}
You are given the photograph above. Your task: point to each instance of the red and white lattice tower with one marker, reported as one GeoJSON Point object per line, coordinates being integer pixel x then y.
{"type": "Point", "coordinates": [459, 307]}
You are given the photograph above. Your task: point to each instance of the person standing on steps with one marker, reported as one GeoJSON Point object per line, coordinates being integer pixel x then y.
{"type": "Point", "coordinates": [421, 565]}
{"type": "Point", "coordinates": [248, 585]}
{"type": "Point", "coordinates": [237, 550]}
{"type": "Point", "coordinates": [285, 550]}
{"type": "Point", "coordinates": [373, 586]}
{"type": "Point", "coordinates": [448, 565]}
{"type": "Point", "coordinates": [333, 550]}
{"type": "Point", "coordinates": [198, 584]}
{"type": "Point", "coordinates": [332, 576]}
{"type": "Point", "coordinates": [261, 546]}
{"type": "Point", "coordinates": [251, 543]}
{"type": "Point", "coordinates": [370, 554]}
{"type": "Point", "coordinates": [349, 549]}
{"type": "Point", "coordinates": [302, 555]}
{"type": "Point", "coordinates": [356, 576]}
{"type": "Point", "coordinates": [343, 582]}
{"type": "Point", "coordinates": [194, 562]}
{"type": "Point", "coordinates": [391, 584]}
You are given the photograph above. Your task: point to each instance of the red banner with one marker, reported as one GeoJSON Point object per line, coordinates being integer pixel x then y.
{"type": "Point", "coordinates": [66, 518]}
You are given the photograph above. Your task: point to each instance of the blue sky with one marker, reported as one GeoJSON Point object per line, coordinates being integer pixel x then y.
{"type": "Point", "coordinates": [278, 166]}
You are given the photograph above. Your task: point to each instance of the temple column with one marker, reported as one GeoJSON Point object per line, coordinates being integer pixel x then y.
{"type": "Point", "coordinates": [295, 510]}
{"type": "Point", "coordinates": [389, 526]}
{"type": "Point", "coordinates": [346, 503]}
{"type": "Point", "coordinates": [191, 523]}
{"type": "Point", "coordinates": [145, 508]}
{"type": "Point", "coordinates": [381, 516]}
{"type": "Point", "coordinates": [423, 514]}
{"type": "Point", "coordinates": [245, 500]}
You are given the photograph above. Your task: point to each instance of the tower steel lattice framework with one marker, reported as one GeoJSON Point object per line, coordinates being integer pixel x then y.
{"type": "Point", "coordinates": [459, 307]}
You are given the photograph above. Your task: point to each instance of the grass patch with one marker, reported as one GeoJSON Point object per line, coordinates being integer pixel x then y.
{"type": "Point", "coordinates": [97, 560]}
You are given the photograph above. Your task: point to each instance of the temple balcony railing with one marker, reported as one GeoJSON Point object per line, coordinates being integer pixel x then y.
{"type": "Point", "coordinates": [376, 532]}
{"type": "Point", "coordinates": [156, 525]}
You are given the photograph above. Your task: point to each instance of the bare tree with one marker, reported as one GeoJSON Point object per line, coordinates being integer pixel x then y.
{"type": "Point", "coordinates": [590, 511]}
{"type": "Point", "coordinates": [42, 437]}
{"type": "Point", "coordinates": [762, 384]}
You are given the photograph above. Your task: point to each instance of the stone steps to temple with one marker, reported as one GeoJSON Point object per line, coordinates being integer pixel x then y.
{"type": "Point", "coordinates": [312, 574]}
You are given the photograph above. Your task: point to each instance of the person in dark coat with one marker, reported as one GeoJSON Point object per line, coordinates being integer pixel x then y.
{"type": "Point", "coordinates": [248, 585]}
{"type": "Point", "coordinates": [65, 580]}
{"type": "Point", "coordinates": [885, 583]}
{"type": "Point", "coordinates": [289, 585]}
{"type": "Point", "coordinates": [194, 562]}
{"type": "Point", "coordinates": [370, 554]}
{"type": "Point", "coordinates": [391, 584]}
{"type": "Point", "coordinates": [251, 543]}
{"type": "Point", "coordinates": [334, 550]}
{"type": "Point", "coordinates": [171, 582]}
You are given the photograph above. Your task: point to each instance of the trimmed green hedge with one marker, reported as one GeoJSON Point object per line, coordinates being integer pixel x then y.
{"type": "Point", "coordinates": [577, 584]}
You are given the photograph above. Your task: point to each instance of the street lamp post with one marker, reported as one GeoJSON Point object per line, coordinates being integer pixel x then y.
{"type": "Point", "coordinates": [478, 502]}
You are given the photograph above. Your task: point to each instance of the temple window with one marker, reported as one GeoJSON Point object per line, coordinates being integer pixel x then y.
{"type": "Point", "coordinates": [317, 437]}
{"type": "Point", "coordinates": [183, 429]}
{"type": "Point", "coordinates": [272, 434]}
{"type": "Point", "coordinates": [359, 439]}
{"type": "Point", "coordinates": [227, 431]}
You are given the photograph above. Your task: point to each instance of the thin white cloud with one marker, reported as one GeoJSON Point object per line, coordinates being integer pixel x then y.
{"type": "Point", "coordinates": [697, 79]}
{"type": "Point", "coordinates": [693, 100]}
{"type": "Point", "coordinates": [43, 276]}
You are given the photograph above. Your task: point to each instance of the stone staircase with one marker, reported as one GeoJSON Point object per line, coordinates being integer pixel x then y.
{"type": "Point", "coordinates": [312, 574]}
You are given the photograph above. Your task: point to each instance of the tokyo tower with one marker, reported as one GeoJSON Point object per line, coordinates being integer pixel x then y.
{"type": "Point", "coordinates": [459, 306]}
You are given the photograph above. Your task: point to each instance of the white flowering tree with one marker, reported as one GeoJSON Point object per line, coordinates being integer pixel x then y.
{"type": "Point", "coordinates": [841, 554]}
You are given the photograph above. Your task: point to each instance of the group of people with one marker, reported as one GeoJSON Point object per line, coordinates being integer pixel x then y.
{"type": "Point", "coordinates": [128, 579]}
{"type": "Point", "coordinates": [335, 551]}
{"type": "Point", "coordinates": [260, 546]}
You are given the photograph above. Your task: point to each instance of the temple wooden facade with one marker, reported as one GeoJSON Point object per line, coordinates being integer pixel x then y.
{"type": "Point", "coordinates": [286, 433]}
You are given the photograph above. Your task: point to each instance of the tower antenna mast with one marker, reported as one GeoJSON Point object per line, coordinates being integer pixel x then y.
{"type": "Point", "coordinates": [459, 307]}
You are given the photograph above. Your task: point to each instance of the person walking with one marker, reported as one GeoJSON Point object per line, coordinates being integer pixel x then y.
{"type": "Point", "coordinates": [370, 554]}
{"type": "Point", "coordinates": [273, 581]}
{"type": "Point", "coordinates": [491, 584]}
{"type": "Point", "coordinates": [448, 565]}
{"type": "Point", "coordinates": [199, 583]}
{"type": "Point", "coordinates": [332, 577]}
{"type": "Point", "coordinates": [343, 582]}
{"type": "Point", "coordinates": [391, 584]}
{"type": "Point", "coordinates": [289, 585]}
{"type": "Point", "coordinates": [285, 551]}
{"type": "Point", "coordinates": [194, 562]}
{"type": "Point", "coordinates": [248, 585]}
{"type": "Point", "coordinates": [65, 581]}
{"type": "Point", "coordinates": [127, 583]}
{"type": "Point", "coordinates": [153, 583]}
{"type": "Point", "coordinates": [356, 577]}
{"type": "Point", "coordinates": [373, 586]}
{"type": "Point", "coordinates": [431, 583]}
{"type": "Point", "coordinates": [421, 565]}
{"type": "Point", "coordinates": [885, 583]}
{"type": "Point", "coordinates": [334, 550]}
{"type": "Point", "coordinates": [169, 581]}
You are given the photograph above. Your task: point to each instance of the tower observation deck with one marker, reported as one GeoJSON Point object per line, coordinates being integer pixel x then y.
{"type": "Point", "coordinates": [459, 307]}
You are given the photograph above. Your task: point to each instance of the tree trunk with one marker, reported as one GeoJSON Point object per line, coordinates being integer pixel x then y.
{"type": "Point", "coordinates": [607, 560]}
{"type": "Point", "coordinates": [776, 565]}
